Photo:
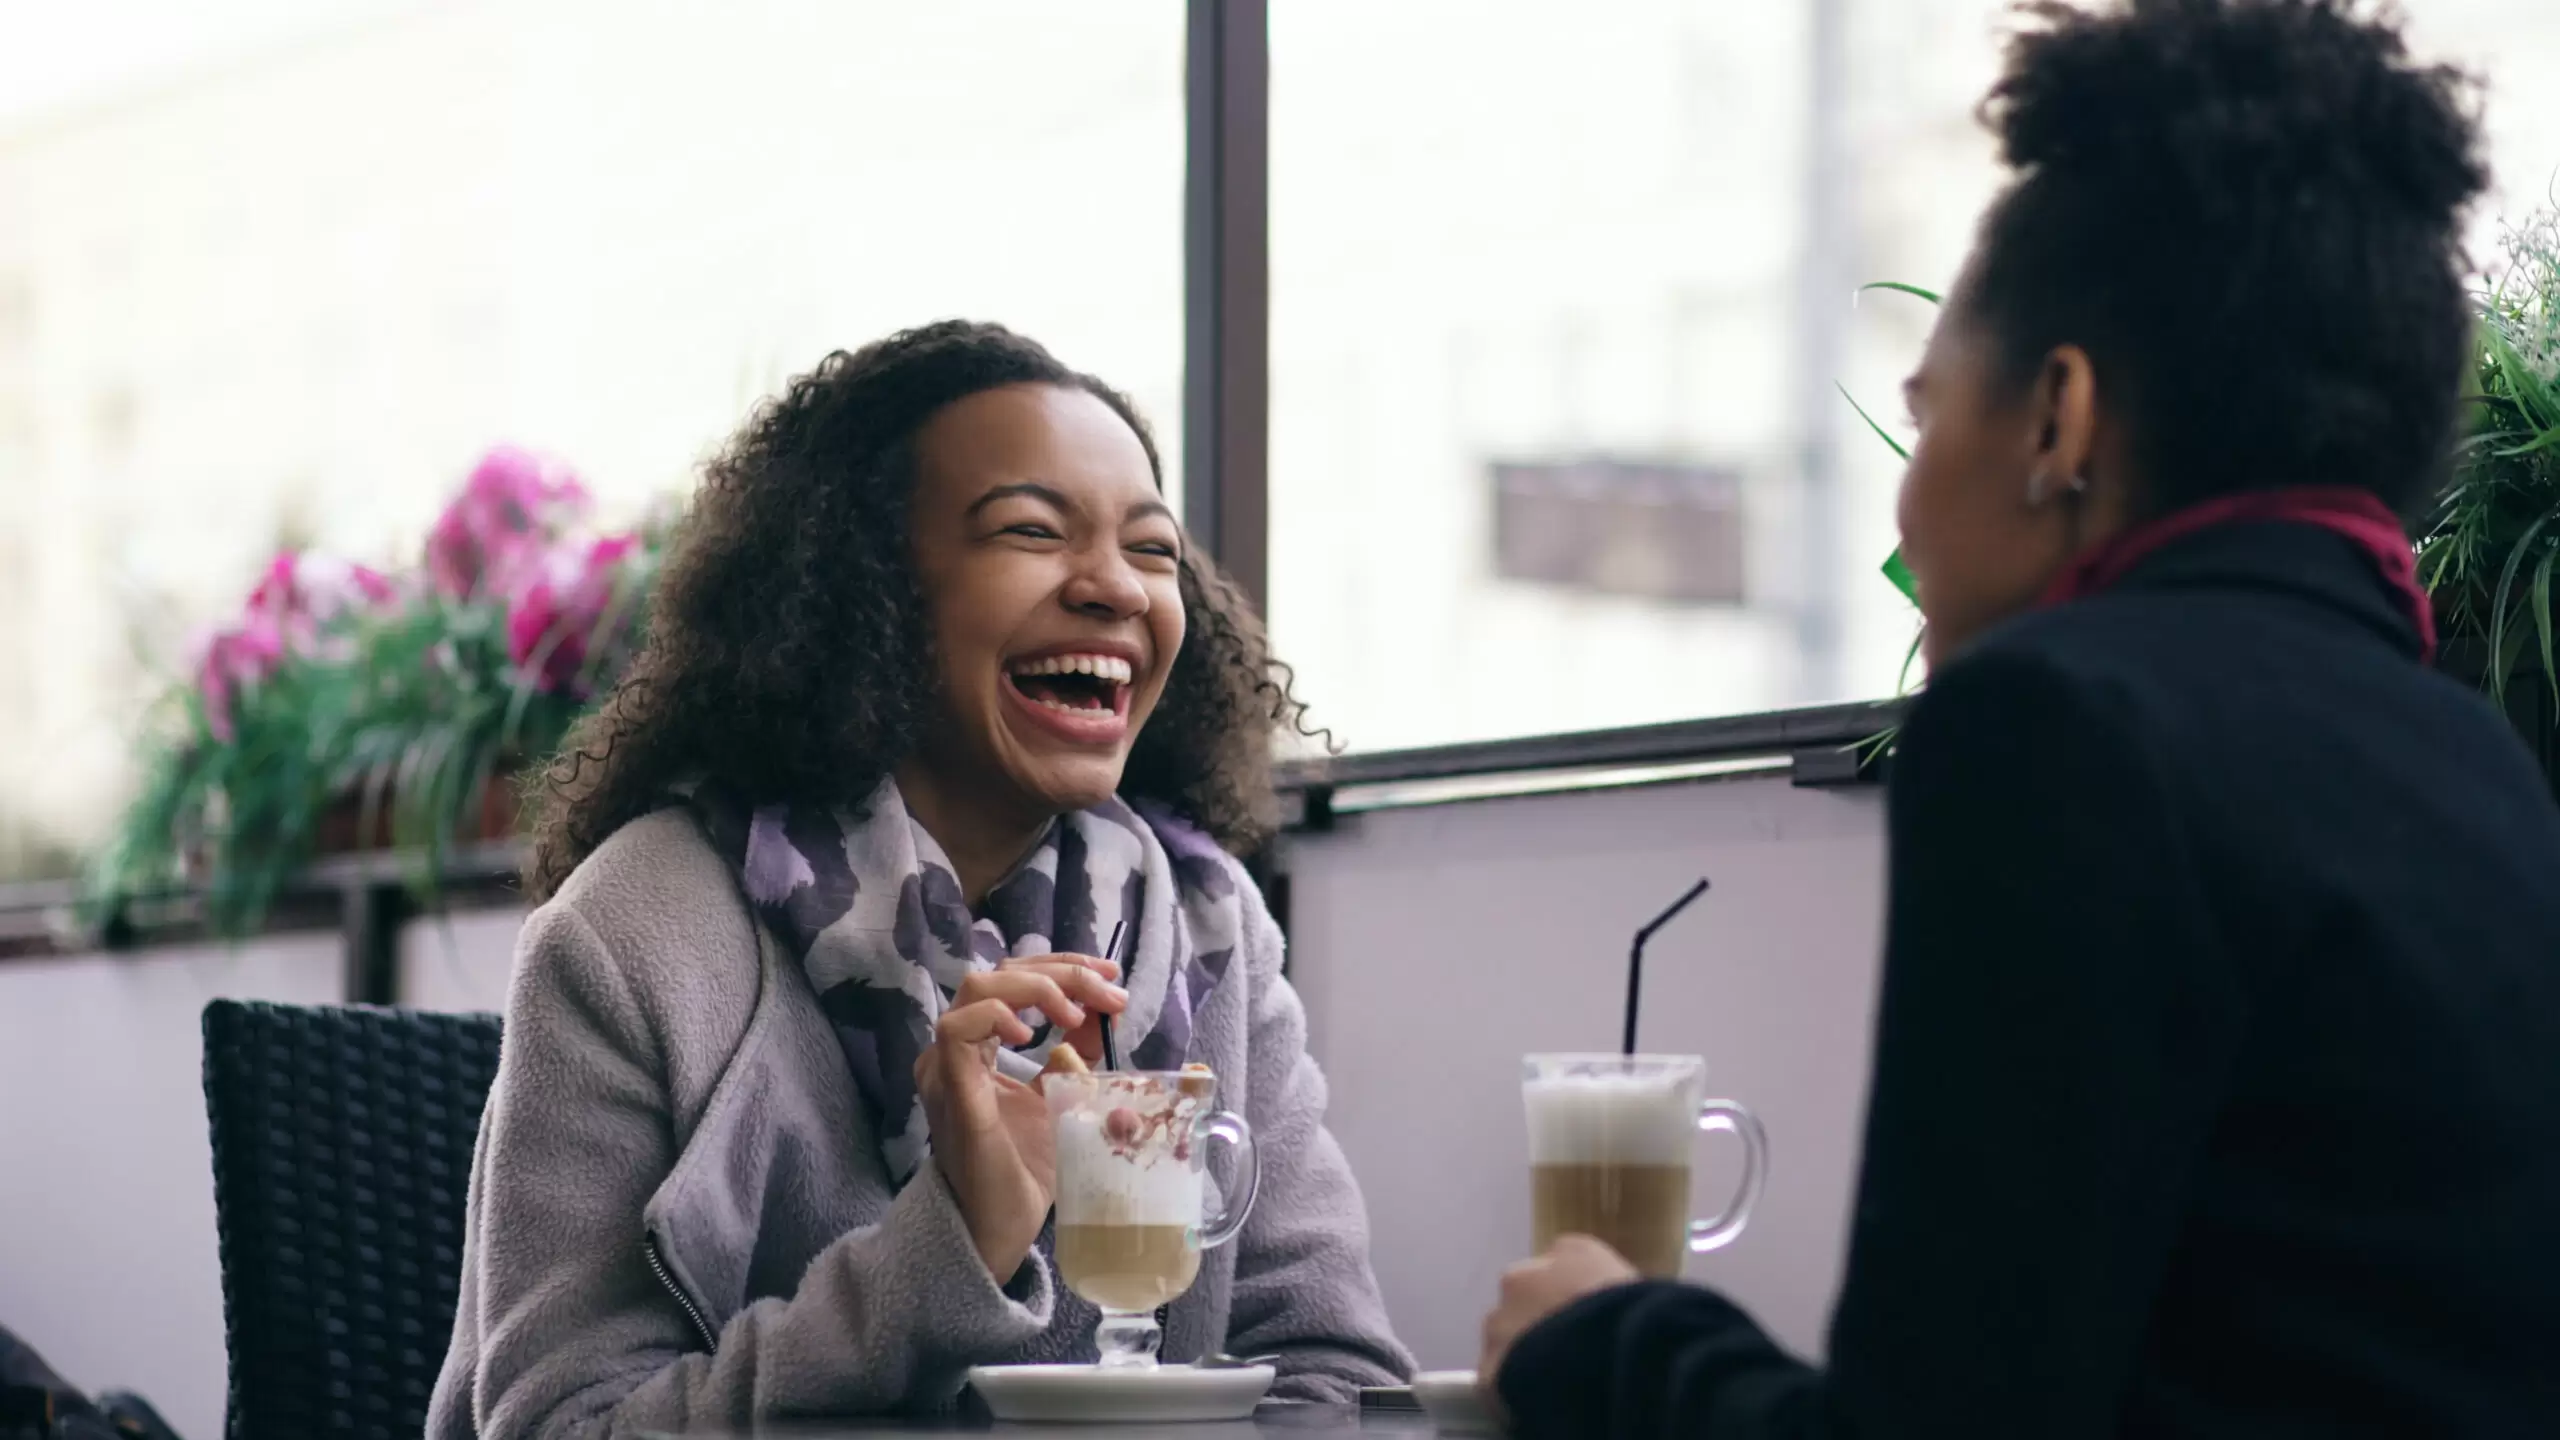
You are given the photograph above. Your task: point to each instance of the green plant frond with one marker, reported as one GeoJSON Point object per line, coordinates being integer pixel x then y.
{"type": "Point", "coordinates": [1910, 657]}
{"type": "Point", "coordinates": [1881, 433]}
{"type": "Point", "coordinates": [2542, 618]}
{"type": "Point", "coordinates": [2499, 603]}
{"type": "Point", "coordinates": [2493, 440]}
{"type": "Point", "coordinates": [1878, 744]}
{"type": "Point", "coordinates": [1899, 572]}
{"type": "Point", "coordinates": [1894, 569]}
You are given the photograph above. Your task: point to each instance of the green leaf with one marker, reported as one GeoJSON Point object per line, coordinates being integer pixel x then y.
{"type": "Point", "coordinates": [1881, 433]}
{"type": "Point", "coordinates": [2501, 657]}
{"type": "Point", "coordinates": [2542, 619]}
{"type": "Point", "coordinates": [2547, 440]}
{"type": "Point", "coordinates": [1900, 574]}
{"type": "Point", "coordinates": [1896, 286]}
{"type": "Point", "coordinates": [1879, 744]}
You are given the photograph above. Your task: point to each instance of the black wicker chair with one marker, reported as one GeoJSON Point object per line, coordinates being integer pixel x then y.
{"type": "Point", "coordinates": [341, 1156]}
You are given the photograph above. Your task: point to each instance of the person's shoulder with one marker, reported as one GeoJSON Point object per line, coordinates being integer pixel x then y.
{"type": "Point", "coordinates": [658, 907]}
{"type": "Point", "coordinates": [660, 860]}
{"type": "Point", "coordinates": [2033, 670]}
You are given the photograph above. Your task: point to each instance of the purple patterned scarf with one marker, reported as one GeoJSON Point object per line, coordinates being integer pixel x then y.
{"type": "Point", "coordinates": [871, 908]}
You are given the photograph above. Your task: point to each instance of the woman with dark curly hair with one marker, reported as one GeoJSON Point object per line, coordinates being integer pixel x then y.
{"type": "Point", "coordinates": [935, 698]}
{"type": "Point", "coordinates": [2217, 1074]}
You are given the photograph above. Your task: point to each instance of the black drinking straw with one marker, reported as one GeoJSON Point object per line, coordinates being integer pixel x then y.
{"type": "Point", "coordinates": [1111, 1047]}
{"type": "Point", "coordinates": [1635, 964]}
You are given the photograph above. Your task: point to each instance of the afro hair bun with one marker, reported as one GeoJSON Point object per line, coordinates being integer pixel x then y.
{"type": "Point", "coordinates": [2228, 107]}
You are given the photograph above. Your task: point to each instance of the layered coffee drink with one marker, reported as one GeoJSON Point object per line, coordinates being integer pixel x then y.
{"type": "Point", "coordinates": [1610, 1140]}
{"type": "Point", "coordinates": [1128, 1267]}
{"type": "Point", "coordinates": [1130, 1190]}
{"type": "Point", "coordinates": [1128, 1203]}
{"type": "Point", "coordinates": [1609, 1158]}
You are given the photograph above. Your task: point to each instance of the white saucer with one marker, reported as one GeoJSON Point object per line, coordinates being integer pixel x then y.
{"type": "Point", "coordinates": [1455, 1407]}
{"type": "Point", "coordinates": [1080, 1394]}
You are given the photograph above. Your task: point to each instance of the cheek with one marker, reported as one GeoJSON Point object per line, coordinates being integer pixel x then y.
{"type": "Point", "coordinates": [1926, 508]}
{"type": "Point", "coordinates": [1945, 528]}
{"type": "Point", "coordinates": [968, 630]}
{"type": "Point", "coordinates": [1167, 626]}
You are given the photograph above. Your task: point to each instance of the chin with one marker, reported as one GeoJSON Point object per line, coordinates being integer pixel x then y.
{"type": "Point", "coordinates": [1072, 785]}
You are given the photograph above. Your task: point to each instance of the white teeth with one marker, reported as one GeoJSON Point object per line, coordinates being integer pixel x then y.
{"type": "Point", "coordinates": [1101, 667]}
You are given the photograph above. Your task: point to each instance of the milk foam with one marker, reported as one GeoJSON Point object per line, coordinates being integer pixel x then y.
{"type": "Point", "coordinates": [1098, 1186]}
{"type": "Point", "coordinates": [1611, 1119]}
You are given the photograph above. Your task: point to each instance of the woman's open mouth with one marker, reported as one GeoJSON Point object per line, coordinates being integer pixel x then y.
{"type": "Point", "coordinates": [1079, 697]}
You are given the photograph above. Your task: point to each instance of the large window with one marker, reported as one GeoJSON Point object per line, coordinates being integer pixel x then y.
{"type": "Point", "coordinates": [288, 285]}
{"type": "Point", "coordinates": [1561, 296]}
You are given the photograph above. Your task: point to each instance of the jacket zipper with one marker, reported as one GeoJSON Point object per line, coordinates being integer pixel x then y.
{"type": "Point", "coordinates": [658, 1267]}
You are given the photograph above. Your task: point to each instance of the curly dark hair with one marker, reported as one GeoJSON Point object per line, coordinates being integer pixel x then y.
{"type": "Point", "coordinates": [789, 654]}
{"type": "Point", "coordinates": [2248, 213]}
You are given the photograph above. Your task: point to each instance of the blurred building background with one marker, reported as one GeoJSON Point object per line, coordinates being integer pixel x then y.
{"type": "Point", "coordinates": [1559, 297]}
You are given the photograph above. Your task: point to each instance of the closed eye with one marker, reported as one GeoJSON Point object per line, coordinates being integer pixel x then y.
{"type": "Point", "coordinates": [1031, 530]}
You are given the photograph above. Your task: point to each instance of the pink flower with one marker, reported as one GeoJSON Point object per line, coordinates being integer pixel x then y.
{"type": "Point", "coordinates": [514, 505]}
{"type": "Point", "coordinates": [301, 593]}
{"type": "Point", "coordinates": [235, 662]}
{"type": "Point", "coordinates": [553, 624]}
{"type": "Point", "coordinates": [293, 601]}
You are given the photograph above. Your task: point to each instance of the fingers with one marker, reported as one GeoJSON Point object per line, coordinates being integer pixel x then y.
{"type": "Point", "coordinates": [1522, 1280]}
{"type": "Point", "coordinates": [1064, 990]}
{"type": "Point", "coordinates": [1500, 1329]}
{"type": "Point", "coordinates": [1107, 969]}
{"type": "Point", "coordinates": [979, 1021]}
{"type": "Point", "coordinates": [1082, 975]}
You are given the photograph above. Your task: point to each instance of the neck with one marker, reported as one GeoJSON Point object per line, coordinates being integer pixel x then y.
{"type": "Point", "coordinates": [984, 839]}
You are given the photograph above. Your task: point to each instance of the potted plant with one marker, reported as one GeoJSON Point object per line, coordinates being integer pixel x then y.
{"type": "Point", "coordinates": [350, 709]}
{"type": "Point", "coordinates": [2488, 548]}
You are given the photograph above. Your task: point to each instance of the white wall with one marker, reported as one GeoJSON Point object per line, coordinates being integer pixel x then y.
{"type": "Point", "coordinates": [108, 1264]}
{"type": "Point", "coordinates": [459, 962]}
{"type": "Point", "coordinates": [107, 1258]}
{"type": "Point", "coordinates": [1433, 945]}
{"type": "Point", "coordinates": [1436, 946]}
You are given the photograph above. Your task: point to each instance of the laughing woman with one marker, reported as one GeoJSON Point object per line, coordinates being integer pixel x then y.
{"type": "Point", "coordinates": [934, 699]}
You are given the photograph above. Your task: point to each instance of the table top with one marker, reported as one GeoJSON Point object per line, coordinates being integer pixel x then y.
{"type": "Point", "coordinates": [1274, 1419]}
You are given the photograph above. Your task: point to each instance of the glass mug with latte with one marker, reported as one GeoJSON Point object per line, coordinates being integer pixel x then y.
{"type": "Point", "coordinates": [1610, 1139]}
{"type": "Point", "coordinates": [1132, 1151]}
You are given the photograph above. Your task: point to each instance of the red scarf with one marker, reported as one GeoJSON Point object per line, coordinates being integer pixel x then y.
{"type": "Point", "coordinates": [2356, 514]}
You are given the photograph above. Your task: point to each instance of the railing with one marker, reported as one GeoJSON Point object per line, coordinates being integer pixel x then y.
{"type": "Point", "coordinates": [368, 897]}
{"type": "Point", "coordinates": [365, 897]}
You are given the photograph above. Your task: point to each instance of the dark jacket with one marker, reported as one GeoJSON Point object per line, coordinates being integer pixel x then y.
{"type": "Point", "coordinates": [2217, 1077]}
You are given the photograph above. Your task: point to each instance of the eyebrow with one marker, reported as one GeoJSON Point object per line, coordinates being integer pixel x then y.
{"type": "Point", "coordinates": [1056, 499]}
{"type": "Point", "coordinates": [1031, 489]}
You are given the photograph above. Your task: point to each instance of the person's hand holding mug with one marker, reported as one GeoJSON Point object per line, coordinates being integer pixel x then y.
{"type": "Point", "coordinates": [1574, 1266]}
{"type": "Point", "coordinates": [991, 1134]}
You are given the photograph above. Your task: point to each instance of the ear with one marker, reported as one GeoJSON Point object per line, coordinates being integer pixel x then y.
{"type": "Point", "coordinates": [2064, 412]}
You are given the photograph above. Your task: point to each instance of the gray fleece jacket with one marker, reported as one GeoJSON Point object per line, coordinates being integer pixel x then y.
{"type": "Point", "coordinates": [679, 1215]}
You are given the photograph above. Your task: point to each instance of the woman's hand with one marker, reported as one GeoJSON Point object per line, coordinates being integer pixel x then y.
{"type": "Point", "coordinates": [991, 1134]}
{"type": "Point", "coordinates": [1574, 1266]}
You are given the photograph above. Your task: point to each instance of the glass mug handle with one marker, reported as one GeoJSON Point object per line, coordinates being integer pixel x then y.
{"type": "Point", "coordinates": [1227, 1125]}
{"type": "Point", "coordinates": [1715, 1234]}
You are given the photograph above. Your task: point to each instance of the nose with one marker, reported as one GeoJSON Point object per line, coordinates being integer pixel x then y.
{"type": "Point", "coordinates": [1104, 585]}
